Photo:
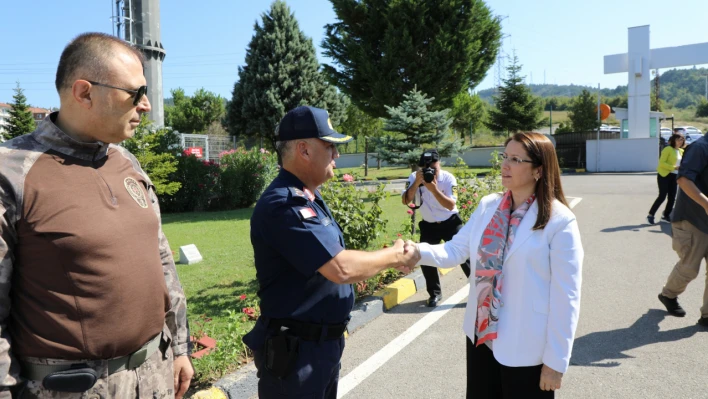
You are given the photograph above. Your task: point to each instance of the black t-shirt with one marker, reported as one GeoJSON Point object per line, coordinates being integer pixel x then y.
{"type": "Point", "coordinates": [693, 167]}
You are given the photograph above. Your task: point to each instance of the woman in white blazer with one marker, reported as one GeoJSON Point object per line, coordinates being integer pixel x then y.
{"type": "Point", "coordinates": [524, 299]}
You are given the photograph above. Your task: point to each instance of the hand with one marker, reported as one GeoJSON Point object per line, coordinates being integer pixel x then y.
{"type": "Point", "coordinates": [550, 379]}
{"type": "Point", "coordinates": [183, 372]}
{"type": "Point", "coordinates": [433, 185]}
{"type": "Point", "coordinates": [418, 178]}
{"type": "Point", "coordinates": [412, 253]}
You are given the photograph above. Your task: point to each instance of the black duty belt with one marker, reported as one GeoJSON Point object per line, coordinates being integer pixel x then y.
{"type": "Point", "coordinates": [37, 372]}
{"type": "Point", "coordinates": [310, 331]}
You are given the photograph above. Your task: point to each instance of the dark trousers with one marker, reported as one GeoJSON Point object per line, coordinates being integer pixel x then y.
{"type": "Point", "coordinates": [487, 379]}
{"type": "Point", "coordinates": [315, 375]}
{"type": "Point", "coordinates": [433, 233]}
{"type": "Point", "coordinates": [667, 187]}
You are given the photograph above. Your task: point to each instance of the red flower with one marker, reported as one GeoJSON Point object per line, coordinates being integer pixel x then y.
{"type": "Point", "coordinates": [469, 202]}
{"type": "Point", "coordinates": [399, 234]}
{"type": "Point", "coordinates": [475, 195]}
{"type": "Point", "coordinates": [242, 297]}
{"type": "Point", "coordinates": [410, 211]}
{"type": "Point", "coordinates": [464, 206]}
{"type": "Point", "coordinates": [201, 185]}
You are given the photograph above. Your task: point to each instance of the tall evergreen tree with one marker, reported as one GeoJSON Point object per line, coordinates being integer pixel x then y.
{"type": "Point", "coordinates": [281, 72]}
{"type": "Point", "coordinates": [21, 120]}
{"type": "Point", "coordinates": [516, 108]}
{"type": "Point", "coordinates": [418, 127]}
{"type": "Point", "coordinates": [382, 49]}
{"type": "Point", "coordinates": [583, 113]}
{"type": "Point", "coordinates": [467, 113]}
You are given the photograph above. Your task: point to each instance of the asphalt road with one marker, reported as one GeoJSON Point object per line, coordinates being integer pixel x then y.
{"type": "Point", "coordinates": [626, 345]}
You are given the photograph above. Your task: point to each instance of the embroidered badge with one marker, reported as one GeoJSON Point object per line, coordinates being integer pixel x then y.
{"type": "Point", "coordinates": [307, 213]}
{"type": "Point", "coordinates": [454, 191]}
{"type": "Point", "coordinates": [135, 191]}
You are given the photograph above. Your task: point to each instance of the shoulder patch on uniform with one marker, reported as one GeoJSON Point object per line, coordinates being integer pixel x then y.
{"type": "Point", "coordinates": [297, 193]}
{"type": "Point", "coordinates": [454, 191]}
{"type": "Point", "coordinates": [307, 213]}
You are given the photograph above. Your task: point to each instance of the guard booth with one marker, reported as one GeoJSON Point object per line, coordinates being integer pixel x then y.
{"type": "Point", "coordinates": [622, 115]}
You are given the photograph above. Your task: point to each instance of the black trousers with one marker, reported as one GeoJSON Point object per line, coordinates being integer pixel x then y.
{"type": "Point", "coordinates": [487, 379]}
{"type": "Point", "coordinates": [433, 233]}
{"type": "Point", "coordinates": [667, 187]}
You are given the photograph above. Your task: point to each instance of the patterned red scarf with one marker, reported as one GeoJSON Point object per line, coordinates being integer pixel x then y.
{"type": "Point", "coordinates": [497, 237]}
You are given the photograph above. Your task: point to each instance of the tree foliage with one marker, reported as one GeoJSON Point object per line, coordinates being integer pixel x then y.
{"type": "Point", "coordinates": [21, 120]}
{"type": "Point", "coordinates": [281, 72]}
{"type": "Point", "coordinates": [583, 113]}
{"type": "Point", "coordinates": [418, 127]}
{"type": "Point", "coordinates": [467, 113]}
{"type": "Point", "coordinates": [155, 150]}
{"type": "Point", "coordinates": [193, 114]}
{"type": "Point", "coordinates": [382, 49]}
{"type": "Point", "coordinates": [516, 108]}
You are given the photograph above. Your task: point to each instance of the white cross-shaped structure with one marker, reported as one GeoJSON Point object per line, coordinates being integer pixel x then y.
{"type": "Point", "coordinates": [638, 61]}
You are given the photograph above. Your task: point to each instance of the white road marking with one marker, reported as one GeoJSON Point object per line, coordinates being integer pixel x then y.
{"type": "Point", "coordinates": [378, 359]}
{"type": "Point", "coordinates": [575, 201]}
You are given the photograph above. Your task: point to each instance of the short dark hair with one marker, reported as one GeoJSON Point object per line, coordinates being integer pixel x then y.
{"type": "Point", "coordinates": [88, 54]}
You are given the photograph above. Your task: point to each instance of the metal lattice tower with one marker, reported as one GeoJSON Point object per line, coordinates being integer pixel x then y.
{"type": "Point", "coordinates": [138, 23]}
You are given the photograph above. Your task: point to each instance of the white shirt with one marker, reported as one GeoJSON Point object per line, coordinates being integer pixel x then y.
{"type": "Point", "coordinates": [678, 160]}
{"type": "Point", "coordinates": [431, 210]}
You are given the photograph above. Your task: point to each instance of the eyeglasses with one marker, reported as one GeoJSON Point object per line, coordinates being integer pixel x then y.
{"type": "Point", "coordinates": [137, 94]}
{"type": "Point", "coordinates": [514, 159]}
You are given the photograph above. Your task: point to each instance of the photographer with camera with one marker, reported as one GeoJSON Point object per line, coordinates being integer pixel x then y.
{"type": "Point", "coordinates": [434, 192]}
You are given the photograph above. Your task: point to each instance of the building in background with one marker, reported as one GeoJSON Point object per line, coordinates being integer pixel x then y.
{"type": "Point", "coordinates": [4, 116]}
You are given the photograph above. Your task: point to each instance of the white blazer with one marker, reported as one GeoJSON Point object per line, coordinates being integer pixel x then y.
{"type": "Point", "coordinates": [541, 286]}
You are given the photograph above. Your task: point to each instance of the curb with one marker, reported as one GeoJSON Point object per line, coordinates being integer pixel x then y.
{"type": "Point", "coordinates": [572, 171]}
{"type": "Point", "coordinates": [243, 383]}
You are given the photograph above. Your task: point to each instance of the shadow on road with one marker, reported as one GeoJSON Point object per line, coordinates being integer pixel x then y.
{"type": "Point", "coordinates": [665, 228]}
{"type": "Point", "coordinates": [596, 348]}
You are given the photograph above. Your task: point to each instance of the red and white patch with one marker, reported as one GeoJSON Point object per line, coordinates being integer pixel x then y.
{"type": "Point", "coordinates": [307, 213]}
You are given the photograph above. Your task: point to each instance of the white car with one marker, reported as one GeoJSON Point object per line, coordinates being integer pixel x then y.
{"type": "Point", "coordinates": [690, 133]}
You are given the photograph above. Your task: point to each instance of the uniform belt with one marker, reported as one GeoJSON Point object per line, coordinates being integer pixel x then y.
{"type": "Point", "coordinates": [37, 372]}
{"type": "Point", "coordinates": [310, 331]}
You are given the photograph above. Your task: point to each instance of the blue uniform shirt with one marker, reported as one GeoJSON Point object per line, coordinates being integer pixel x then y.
{"type": "Point", "coordinates": [292, 238]}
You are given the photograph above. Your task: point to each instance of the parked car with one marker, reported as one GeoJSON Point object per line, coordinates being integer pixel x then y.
{"type": "Point", "coordinates": [690, 133]}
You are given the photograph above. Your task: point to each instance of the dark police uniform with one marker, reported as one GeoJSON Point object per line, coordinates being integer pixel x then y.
{"type": "Point", "coordinates": [298, 340]}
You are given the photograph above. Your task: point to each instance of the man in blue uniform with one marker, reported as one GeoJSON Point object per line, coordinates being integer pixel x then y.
{"type": "Point", "coordinates": [303, 270]}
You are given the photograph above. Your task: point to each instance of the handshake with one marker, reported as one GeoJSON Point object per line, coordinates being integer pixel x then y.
{"type": "Point", "coordinates": [407, 254]}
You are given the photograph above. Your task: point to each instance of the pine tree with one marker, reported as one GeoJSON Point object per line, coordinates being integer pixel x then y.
{"type": "Point", "coordinates": [281, 73]}
{"type": "Point", "coordinates": [467, 113]}
{"type": "Point", "coordinates": [418, 128]}
{"type": "Point", "coordinates": [583, 113]}
{"type": "Point", "coordinates": [516, 108]}
{"type": "Point", "coordinates": [21, 120]}
{"type": "Point", "coordinates": [383, 48]}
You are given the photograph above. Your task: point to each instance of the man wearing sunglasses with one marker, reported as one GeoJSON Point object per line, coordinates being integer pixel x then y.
{"type": "Point", "coordinates": [90, 301]}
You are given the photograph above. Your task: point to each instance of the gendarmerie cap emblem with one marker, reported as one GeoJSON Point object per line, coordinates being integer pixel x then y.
{"type": "Point", "coordinates": [134, 190]}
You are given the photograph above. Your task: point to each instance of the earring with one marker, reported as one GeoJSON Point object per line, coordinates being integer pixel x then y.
{"type": "Point", "coordinates": [536, 177]}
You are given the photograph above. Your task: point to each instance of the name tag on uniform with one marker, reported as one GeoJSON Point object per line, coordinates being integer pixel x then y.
{"type": "Point", "coordinates": [307, 213]}
{"type": "Point", "coordinates": [326, 221]}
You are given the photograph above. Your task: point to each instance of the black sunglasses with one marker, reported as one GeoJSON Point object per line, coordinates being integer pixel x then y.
{"type": "Point", "coordinates": [137, 94]}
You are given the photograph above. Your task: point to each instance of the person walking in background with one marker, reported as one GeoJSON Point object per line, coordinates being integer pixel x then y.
{"type": "Point", "coordinates": [524, 302]}
{"type": "Point", "coordinates": [669, 163]}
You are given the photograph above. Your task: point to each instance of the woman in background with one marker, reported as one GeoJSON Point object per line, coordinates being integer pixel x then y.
{"type": "Point", "coordinates": [669, 162]}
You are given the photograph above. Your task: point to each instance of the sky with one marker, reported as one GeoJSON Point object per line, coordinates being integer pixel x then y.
{"type": "Point", "coordinates": [556, 41]}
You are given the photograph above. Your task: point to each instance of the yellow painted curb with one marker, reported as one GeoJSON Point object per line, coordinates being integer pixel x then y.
{"type": "Point", "coordinates": [445, 271]}
{"type": "Point", "coordinates": [211, 393]}
{"type": "Point", "coordinates": [397, 292]}
{"type": "Point", "coordinates": [579, 170]}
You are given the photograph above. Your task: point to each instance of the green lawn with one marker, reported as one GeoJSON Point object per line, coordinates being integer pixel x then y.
{"type": "Point", "coordinates": [391, 172]}
{"type": "Point", "coordinates": [214, 285]}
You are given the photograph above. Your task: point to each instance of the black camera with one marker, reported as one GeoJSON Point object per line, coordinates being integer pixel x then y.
{"type": "Point", "coordinates": [428, 158]}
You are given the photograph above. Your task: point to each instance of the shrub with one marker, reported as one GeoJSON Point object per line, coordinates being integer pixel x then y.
{"type": "Point", "coordinates": [357, 212]}
{"type": "Point", "coordinates": [245, 175]}
{"type": "Point", "coordinates": [471, 189]}
{"type": "Point", "coordinates": [200, 185]}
